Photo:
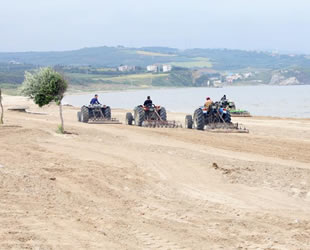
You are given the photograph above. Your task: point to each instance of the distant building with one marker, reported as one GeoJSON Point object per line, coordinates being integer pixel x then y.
{"type": "Point", "coordinates": [217, 82]}
{"type": "Point", "coordinates": [126, 68]}
{"type": "Point", "coordinates": [14, 62]}
{"type": "Point", "coordinates": [247, 75]}
{"type": "Point", "coordinates": [167, 68]}
{"type": "Point", "coordinates": [152, 68]}
{"type": "Point", "coordinates": [233, 78]}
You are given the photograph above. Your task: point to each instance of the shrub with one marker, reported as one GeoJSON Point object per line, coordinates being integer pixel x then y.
{"type": "Point", "coordinates": [45, 86]}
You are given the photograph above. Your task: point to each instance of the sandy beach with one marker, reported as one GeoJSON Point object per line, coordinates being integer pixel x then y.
{"type": "Point", "coordinates": [126, 187]}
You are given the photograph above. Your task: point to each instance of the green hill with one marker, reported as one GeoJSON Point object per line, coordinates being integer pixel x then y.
{"type": "Point", "coordinates": [220, 59]}
{"type": "Point", "coordinates": [95, 68]}
{"type": "Point", "coordinates": [101, 56]}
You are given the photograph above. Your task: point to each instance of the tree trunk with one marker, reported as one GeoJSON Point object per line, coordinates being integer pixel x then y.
{"type": "Point", "coordinates": [1, 106]}
{"type": "Point", "coordinates": [61, 118]}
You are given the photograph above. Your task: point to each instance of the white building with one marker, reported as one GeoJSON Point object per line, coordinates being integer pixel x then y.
{"type": "Point", "coordinates": [233, 78]}
{"type": "Point", "coordinates": [14, 62]}
{"type": "Point", "coordinates": [126, 68]}
{"type": "Point", "coordinates": [152, 68]}
{"type": "Point", "coordinates": [247, 75]}
{"type": "Point", "coordinates": [167, 68]}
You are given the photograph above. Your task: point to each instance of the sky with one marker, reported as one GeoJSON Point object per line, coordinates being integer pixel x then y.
{"type": "Point", "coordinates": [53, 25]}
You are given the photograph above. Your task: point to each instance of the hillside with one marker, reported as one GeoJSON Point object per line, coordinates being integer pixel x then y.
{"type": "Point", "coordinates": [101, 56]}
{"type": "Point", "coordinates": [96, 68]}
{"type": "Point", "coordinates": [220, 59]}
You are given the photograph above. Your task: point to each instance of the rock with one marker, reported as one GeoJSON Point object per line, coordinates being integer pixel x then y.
{"type": "Point", "coordinates": [278, 79]}
{"type": "Point", "coordinates": [289, 81]}
{"type": "Point", "coordinates": [53, 178]}
{"type": "Point", "coordinates": [215, 166]}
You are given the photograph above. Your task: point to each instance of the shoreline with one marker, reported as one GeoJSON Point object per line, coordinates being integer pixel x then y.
{"type": "Point", "coordinates": [29, 101]}
{"type": "Point", "coordinates": [81, 92]}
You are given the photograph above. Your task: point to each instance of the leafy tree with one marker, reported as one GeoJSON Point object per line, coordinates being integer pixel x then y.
{"type": "Point", "coordinates": [1, 106]}
{"type": "Point", "coordinates": [45, 86]}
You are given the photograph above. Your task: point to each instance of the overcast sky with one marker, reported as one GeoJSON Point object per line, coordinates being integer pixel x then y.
{"type": "Point", "coordinates": [37, 25]}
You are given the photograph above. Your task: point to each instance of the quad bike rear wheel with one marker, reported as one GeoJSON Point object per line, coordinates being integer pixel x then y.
{"type": "Point", "coordinates": [84, 114]}
{"type": "Point", "coordinates": [139, 116]}
{"type": "Point", "coordinates": [199, 120]}
{"type": "Point", "coordinates": [227, 118]}
{"type": "Point", "coordinates": [163, 114]}
{"type": "Point", "coordinates": [129, 118]}
{"type": "Point", "coordinates": [189, 122]}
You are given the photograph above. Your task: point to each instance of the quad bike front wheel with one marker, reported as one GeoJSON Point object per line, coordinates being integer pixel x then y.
{"type": "Point", "coordinates": [139, 116]}
{"type": "Point", "coordinates": [189, 122]}
{"type": "Point", "coordinates": [129, 118]}
{"type": "Point", "coordinates": [199, 121]}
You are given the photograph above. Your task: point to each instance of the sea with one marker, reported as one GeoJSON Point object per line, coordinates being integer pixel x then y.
{"type": "Point", "coordinates": [264, 100]}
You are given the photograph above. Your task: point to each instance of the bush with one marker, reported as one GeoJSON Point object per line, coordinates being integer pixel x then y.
{"type": "Point", "coordinates": [45, 86]}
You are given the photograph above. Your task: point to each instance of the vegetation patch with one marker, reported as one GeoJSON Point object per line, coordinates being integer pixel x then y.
{"type": "Point", "coordinates": [193, 64]}
{"type": "Point", "coordinates": [148, 53]}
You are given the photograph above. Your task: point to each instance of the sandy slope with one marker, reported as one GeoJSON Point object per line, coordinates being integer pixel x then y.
{"type": "Point", "coordinates": [122, 187]}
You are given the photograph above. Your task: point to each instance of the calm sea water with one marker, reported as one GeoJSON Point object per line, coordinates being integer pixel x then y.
{"type": "Point", "coordinates": [280, 101]}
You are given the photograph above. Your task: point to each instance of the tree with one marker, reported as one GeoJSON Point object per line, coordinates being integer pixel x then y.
{"type": "Point", "coordinates": [45, 86]}
{"type": "Point", "coordinates": [1, 106]}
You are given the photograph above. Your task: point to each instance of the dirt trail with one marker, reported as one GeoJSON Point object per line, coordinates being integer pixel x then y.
{"type": "Point", "coordinates": [122, 187]}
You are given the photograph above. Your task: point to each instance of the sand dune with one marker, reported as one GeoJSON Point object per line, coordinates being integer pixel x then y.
{"type": "Point", "coordinates": [123, 187]}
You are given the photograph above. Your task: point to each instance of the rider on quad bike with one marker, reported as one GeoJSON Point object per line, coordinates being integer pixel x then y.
{"type": "Point", "coordinates": [148, 107]}
{"type": "Point", "coordinates": [94, 100]}
{"type": "Point", "coordinates": [148, 102]}
{"type": "Point", "coordinates": [208, 103]}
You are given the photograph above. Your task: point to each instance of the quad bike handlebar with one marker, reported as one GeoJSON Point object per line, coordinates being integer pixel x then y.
{"type": "Point", "coordinates": [97, 106]}
{"type": "Point", "coordinates": [147, 107]}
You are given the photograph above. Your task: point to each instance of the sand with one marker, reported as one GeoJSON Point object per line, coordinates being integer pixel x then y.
{"type": "Point", "coordinates": [125, 187]}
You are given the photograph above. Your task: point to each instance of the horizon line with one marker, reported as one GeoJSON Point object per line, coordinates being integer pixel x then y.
{"type": "Point", "coordinates": [275, 51]}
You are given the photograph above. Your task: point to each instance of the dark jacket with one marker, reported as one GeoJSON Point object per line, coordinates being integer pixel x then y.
{"type": "Point", "coordinates": [148, 102]}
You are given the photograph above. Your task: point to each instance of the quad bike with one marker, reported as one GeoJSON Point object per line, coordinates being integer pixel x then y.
{"type": "Point", "coordinates": [215, 118]}
{"type": "Point", "coordinates": [231, 106]}
{"type": "Point", "coordinates": [97, 113]}
{"type": "Point", "coordinates": [150, 116]}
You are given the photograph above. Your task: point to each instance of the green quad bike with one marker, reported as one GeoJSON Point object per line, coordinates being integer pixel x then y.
{"type": "Point", "coordinates": [231, 106]}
